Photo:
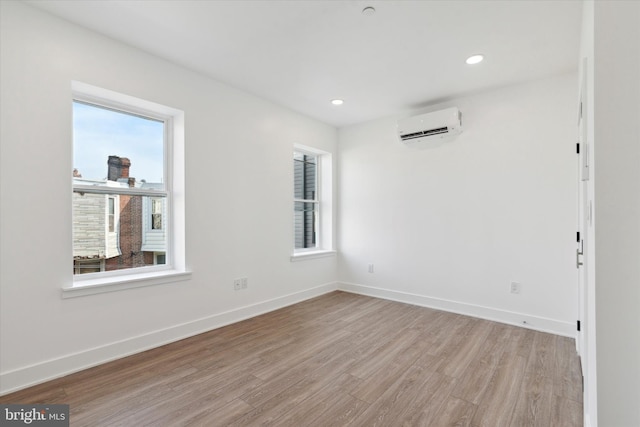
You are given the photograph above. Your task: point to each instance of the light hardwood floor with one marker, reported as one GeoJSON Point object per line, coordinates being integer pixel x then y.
{"type": "Point", "coordinates": [339, 359]}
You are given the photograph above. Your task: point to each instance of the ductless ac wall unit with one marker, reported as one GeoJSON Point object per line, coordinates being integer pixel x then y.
{"type": "Point", "coordinates": [433, 126]}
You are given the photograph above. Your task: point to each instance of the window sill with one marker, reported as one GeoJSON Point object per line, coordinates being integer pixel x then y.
{"type": "Point", "coordinates": [112, 284]}
{"type": "Point", "coordinates": [303, 256]}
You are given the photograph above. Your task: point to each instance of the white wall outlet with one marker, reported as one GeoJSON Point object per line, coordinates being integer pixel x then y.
{"type": "Point", "coordinates": [237, 284]}
{"type": "Point", "coordinates": [515, 287]}
{"type": "Point", "coordinates": [244, 282]}
{"type": "Point", "coordinates": [370, 268]}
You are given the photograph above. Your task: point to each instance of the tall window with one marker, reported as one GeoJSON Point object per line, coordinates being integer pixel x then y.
{"type": "Point", "coordinates": [112, 214]}
{"type": "Point", "coordinates": [119, 155]}
{"type": "Point", "coordinates": [312, 203]}
{"type": "Point", "coordinates": [127, 153]}
{"type": "Point", "coordinates": [305, 199]}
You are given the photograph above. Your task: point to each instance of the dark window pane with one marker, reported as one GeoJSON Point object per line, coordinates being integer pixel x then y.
{"type": "Point", "coordinates": [156, 214]}
{"type": "Point", "coordinates": [304, 219]}
{"type": "Point", "coordinates": [305, 173]}
{"type": "Point", "coordinates": [156, 221]}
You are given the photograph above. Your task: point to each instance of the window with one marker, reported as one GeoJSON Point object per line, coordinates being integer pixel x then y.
{"type": "Point", "coordinates": [160, 258]}
{"type": "Point", "coordinates": [306, 204]}
{"type": "Point", "coordinates": [312, 202]}
{"type": "Point", "coordinates": [132, 172]}
{"type": "Point", "coordinates": [127, 156]}
{"type": "Point", "coordinates": [88, 266]}
{"type": "Point", "coordinates": [112, 214]}
{"type": "Point", "coordinates": [156, 214]}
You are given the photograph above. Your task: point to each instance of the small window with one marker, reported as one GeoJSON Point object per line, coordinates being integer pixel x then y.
{"type": "Point", "coordinates": [88, 266]}
{"type": "Point", "coordinates": [156, 214]}
{"type": "Point", "coordinates": [112, 214]}
{"type": "Point", "coordinates": [160, 258]}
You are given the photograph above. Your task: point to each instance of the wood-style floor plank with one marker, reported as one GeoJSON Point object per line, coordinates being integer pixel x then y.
{"type": "Point", "coordinates": [318, 403]}
{"type": "Point", "coordinates": [535, 402]}
{"type": "Point", "coordinates": [392, 403]}
{"type": "Point", "coordinates": [455, 412]}
{"type": "Point", "coordinates": [424, 408]}
{"type": "Point", "coordinates": [475, 380]}
{"type": "Point", "coordinates": [496, 408]}
{"type": "Point", "coordinates": [336, 360]}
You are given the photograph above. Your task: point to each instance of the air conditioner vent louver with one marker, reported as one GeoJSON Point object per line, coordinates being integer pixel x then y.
{"type": "Point", "coordinates": [430, 126]}
{"type": "Point", "coordinates": [424, 133]}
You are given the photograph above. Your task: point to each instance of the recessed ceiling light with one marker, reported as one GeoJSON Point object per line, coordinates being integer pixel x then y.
{"type": "Point", "coordinates": [474, 59]}
{"type": "Point", "coordinates": [337, 101]}
{"type": "Point", "coordinates": [368, 11]}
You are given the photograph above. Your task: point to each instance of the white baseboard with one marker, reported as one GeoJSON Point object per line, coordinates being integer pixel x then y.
{"type": "Point", "coordinates": [38, 373]}
{"type": "Point", "coordinates": [541, 324]}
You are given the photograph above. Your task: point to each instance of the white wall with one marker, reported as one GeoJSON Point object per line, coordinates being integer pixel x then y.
{"type": "Point", "coordinates": [617, 211]}
{"type": "Point", "coordinates": [450, 225]}
{"type": "Point", "coordinates": [238, 203]}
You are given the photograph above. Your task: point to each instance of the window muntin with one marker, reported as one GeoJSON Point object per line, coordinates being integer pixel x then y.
{"type": "Point", "coordinates": [119, 161]}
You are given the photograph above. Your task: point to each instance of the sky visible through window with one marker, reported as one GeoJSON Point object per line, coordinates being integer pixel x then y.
{"type": "Point", "coordinates": [99, 133]}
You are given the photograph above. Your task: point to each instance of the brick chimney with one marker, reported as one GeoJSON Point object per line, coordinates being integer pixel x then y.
{"type": "Point", "coordinates": [126, 163]}
{"type": "Point", "coordinates": [118, 167]}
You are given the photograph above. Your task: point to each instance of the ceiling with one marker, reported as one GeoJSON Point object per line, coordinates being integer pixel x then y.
{"type": "Point", "coordinates": [303, 54]}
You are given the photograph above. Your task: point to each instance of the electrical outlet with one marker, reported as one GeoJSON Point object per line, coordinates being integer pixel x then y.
{"type": "Point", "coordinates": [515, 287]}
{"type": "Point", "coordinates": [370, 268]}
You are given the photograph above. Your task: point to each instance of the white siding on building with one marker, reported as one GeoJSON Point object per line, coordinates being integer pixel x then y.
{"type": "Point", "coordinates": [153, 240]}
{"type": "Point", "coordinates": [91, 236]}
{"type": "Point", "coordinates": [89, 225]}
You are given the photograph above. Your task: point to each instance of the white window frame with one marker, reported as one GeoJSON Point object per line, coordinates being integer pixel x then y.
{"type": "Point", "coordinates": [175, 269]}
{"type": "Point", "coordinates": [324, 199]}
